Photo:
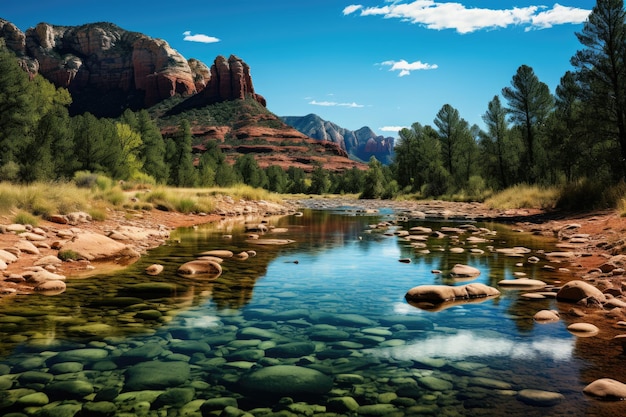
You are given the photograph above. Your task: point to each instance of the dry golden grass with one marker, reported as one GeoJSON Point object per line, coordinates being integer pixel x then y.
{"type": "Point", "coordinates": [524, 196]}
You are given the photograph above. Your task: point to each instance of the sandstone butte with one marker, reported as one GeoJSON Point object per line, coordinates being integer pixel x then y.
{"type": "Point", "coordinates": [105, 57]}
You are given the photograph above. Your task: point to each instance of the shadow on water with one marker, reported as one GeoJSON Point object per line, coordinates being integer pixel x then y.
{"type": "Point", "coordinates": [322, 321]}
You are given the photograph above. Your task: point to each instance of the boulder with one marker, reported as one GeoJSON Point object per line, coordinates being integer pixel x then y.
{"type": "Point", "coordinates": [156, 375]}
{"type": "Point", "coordinates": [201, 268]}
{"type": "Point", "coordinates": [544, 316]}
{"type": "Point", "coordinates": [94, 246]}
{"type": "Point", "coordinates": [583, 329]}
{"type": "Point", "coordinates": [433, 297]}
{"type": "Point", "coordinates": [154, 269]}
{"type": "Point", "coordinates": [575, 291]}
{"type": "Point", "coordinates": [464, 271]}
{"type": "Point", "coordinates": [606, 389]}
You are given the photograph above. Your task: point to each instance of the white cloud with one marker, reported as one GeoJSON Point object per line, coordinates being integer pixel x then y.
{"type": "Point", "coordinates": [406, 67]}
{"type": "Point", "coordinates": [439, 15]}
{"type": "Point", "coordinates": [559, 15]}
{"type": "Point", "coordinates": [351, 9]}
{"type": "Point", "coordinates": [199, 38]}
{"type": "Point", "coordinates": [392, 128]}
{"type": "Point", "coordinates": [335, 104]}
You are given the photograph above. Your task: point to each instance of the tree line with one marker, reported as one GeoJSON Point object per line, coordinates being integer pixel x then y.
{"type": "Point", "coordinates": [532, 136]}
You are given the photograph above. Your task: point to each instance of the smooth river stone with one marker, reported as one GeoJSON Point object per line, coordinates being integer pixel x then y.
{"type": "Point", "coordinates": [583, 329]}
{"type": "Point", "coordinates": [291, 350]}
{"type": "Point", "coordinates": [36, 399]}
{"type": "Point", "coordinates": [156, 375]}
{"type": "Point", "coordinates": [350, 320]}
{"type": "Point", "coordinates": [607, 389]}
{"type": "Point", "coordinates": [435, 384]}
{"type": "Point", "coordinates": [65, 390]}
{"type": "Point", "coordinates": [286, 380]}
{"type": "Point", "coordinates": [539, 398]}
{"type": "Point", "coordinates": [256, 333]}
{"type": "Point", "coordinates": [79, 355]}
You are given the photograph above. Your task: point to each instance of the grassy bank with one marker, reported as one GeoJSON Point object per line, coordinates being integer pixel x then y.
{"type": "Point", "coordinates": [27, 204]}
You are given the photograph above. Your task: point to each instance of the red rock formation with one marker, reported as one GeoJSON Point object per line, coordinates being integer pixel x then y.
{"type": "Point", "coordinates": [103, 57]}
{"type": "Point", "coordinates": [230, 80]}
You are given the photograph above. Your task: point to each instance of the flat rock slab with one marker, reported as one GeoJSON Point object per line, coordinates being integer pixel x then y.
{"type": "Point", "coordinates": [94, 246]}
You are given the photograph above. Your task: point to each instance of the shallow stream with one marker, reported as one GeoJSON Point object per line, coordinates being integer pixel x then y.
{"type": "Point", "coordinates": [315, 327]}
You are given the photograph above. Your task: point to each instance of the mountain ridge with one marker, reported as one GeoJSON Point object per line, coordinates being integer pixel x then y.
{"type": "Point", "coordinates": [360, 144]}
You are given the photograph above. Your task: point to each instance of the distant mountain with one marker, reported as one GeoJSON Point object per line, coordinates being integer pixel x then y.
{"type": "Point", "coordinates": [360, 144]}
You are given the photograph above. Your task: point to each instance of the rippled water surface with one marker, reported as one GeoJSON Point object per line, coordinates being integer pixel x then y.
{"type": "Point", "coordinates": [316, 327]}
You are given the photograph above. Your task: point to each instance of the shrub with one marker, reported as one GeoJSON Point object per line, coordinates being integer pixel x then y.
{"type": "Point", "coordinates": [524, 196]}
{"type": "Point", "coordinates": [586, 194]}
{"type": "Point", "coordinates": [68, 255]}
{"type": "Point", "coordinates": [85, 179]}
{"type": "Point", "coordinates": [25, 218]}
{"type": "Point", "coordinates": [98, 214]}
{"type": "Point", "coordinates": [185, 205]}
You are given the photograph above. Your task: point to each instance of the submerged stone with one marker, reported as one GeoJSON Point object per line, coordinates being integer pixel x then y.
{"type": "Point", "coordinates": [156, 375]}
{"type": "Point", "coordinates": [539, 398]}
{"type": "Point", "coordinates": [291, 350]}
{"type": "Point", "coordinates": [286, 380]}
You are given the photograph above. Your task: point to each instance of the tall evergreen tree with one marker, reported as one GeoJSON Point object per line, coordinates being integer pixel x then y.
{"type": "Point", "coordinates": [277, 179]}
{"type": "Point", "coordinates": [601, 71]}
{"type": "Point", "coordinates": [417, 152]}
{"type": "Point", "coordinates": [18, 116]}
{"type": "Point", "coordinates": [297, 184]}
{"type": "Point", "coordinates": [249, 171]}
{"type": "Point", "coordinates": [457, 144]}
{"type": "Point", "coordinates": [320, 181]}
{"type": "Point", "coordinates": [374, 180]}
{"type": "Point", "coordinates": [529, 104]}
{"type": "Point", "coordinates": [151, 153]}
{"type": "Point", "coordinates": [179, 157]}
{"type": "Point", "coordinates": [499, 152]}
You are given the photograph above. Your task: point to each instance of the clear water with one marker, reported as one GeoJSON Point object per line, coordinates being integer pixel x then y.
{"type": "Point", "coordinates": [338, 291]}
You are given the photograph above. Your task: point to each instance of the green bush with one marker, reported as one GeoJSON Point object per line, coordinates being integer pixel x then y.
{"type": "Point", "coordinates": [25, 218]}
{"type": "Point", "coordinates": [68, 255]}
{"type": "Point", "coordinates": [186, 205]}
{"type": "Point", "coordinates": [586, 194]}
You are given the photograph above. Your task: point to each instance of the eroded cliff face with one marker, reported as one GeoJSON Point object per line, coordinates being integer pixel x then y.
{"type": "Point", "coordinates": [230, 80]}
{"type": "Point", "coordinates": [104, 63]}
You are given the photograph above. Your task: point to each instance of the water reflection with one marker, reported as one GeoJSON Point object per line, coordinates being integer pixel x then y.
{"type": "Point", "coordinates": [332, 302]}
{"type": "Point", "coordinates": [464, 345]}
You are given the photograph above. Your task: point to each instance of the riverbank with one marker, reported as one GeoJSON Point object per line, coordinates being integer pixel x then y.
{"type": "Point", "coordinates": [30, 256]}
{"type": "Point", "coordinates": [593, 237]}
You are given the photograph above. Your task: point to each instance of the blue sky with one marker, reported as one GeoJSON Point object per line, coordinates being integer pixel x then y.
{"type": "Point", "coordinates": [377, 63]}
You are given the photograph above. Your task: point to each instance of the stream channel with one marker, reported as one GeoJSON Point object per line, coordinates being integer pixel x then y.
{"type": "Point", "coordinates": [317, 327]}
